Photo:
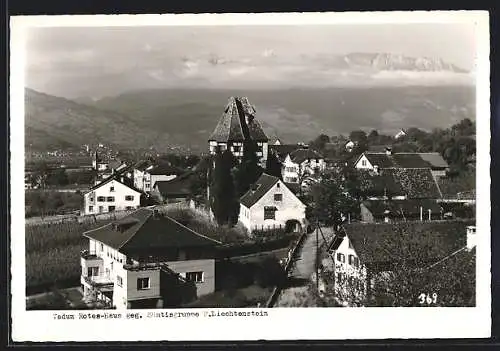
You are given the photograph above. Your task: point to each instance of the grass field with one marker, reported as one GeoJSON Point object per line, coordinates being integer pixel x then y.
{"type": "Point", "coordinates": [52, 254]}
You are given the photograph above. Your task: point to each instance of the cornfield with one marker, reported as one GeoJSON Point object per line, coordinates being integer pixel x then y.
{"type": "Point", "coordinates": [53, 252]}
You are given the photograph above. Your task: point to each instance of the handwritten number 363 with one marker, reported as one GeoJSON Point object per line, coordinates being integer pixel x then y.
{"type": "Point", "coordinates": [426, 298]}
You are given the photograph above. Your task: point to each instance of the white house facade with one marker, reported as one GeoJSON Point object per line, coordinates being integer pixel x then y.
{"type": "Point", "coordinates": [114, 269]}
{"type": "Point", "coordinates": [271, 204]}
{"type": "Point", "coordinates": [349, 274]}
{"type": "Point", "coordinates": [301, 164]}
{"type": "Point", "coordinates": [110, 195]}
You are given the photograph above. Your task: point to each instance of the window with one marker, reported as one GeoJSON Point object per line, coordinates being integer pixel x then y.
{"type": "Point", "coordinates": [112, 189]}
{"type": "Point", "coordinates": [111, 198]}
{"type": "Point", "coordinates": [101, 209]}
{"type": "Point", "coordinates": [340, 257]}
{"type": "Point", "coordinates": [102, 247]}
{"type": "Point", "coordinates": [92, 271]}
{"type": "Point", "coordinates": [143, 283]}
{"type": "Point", "coordinates": [147, 185]}
{"type": "Point", "coordinates": [129, 198]}
{"type": "Point", "coordinates": [363, 162]}
{"type": "Point", "coordinates": [111, 208]}
{"type": "Point", "coordinates": [196, 277]}
{"type": "Point", "coordinates": [119, 280]}
{"type": "Point", "coordinates": [269, 212]}
{"type": "Point", "coordinates": [278, 197]}
{"type": "Point", "coordinates": [91, 199]}
{"type": "Point", "coordinates": [101, 198]}
{"type": "Point", "coordinates": [91, 208]}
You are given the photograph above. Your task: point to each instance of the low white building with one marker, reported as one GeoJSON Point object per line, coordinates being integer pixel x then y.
{"type": "Point", "coordinates": [146, 174]}
{"type": "Point", "coordinates": [111, 195]}
{"type": "Point", "coordinates": [375, 161]}
{"type": "Point", "coordinates": [147, 260]}
{"type": "Point", "coordinates": [271, 204]}
{"type": "Point", "coordinates": [302, 164]}
{"type": "Point", "coordinates": [348, 273]}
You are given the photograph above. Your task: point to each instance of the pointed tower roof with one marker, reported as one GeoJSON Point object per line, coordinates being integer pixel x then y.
{"type": "Point", "coordinates": [238, 123]}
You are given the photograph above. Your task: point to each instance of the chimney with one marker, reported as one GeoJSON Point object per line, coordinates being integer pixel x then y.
{"type": "Point", "coordinates": [471, 237]}
{"type": "Point", "coordinates": [388, 151]}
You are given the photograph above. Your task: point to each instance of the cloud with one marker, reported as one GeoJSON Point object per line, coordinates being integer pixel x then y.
{"type": "Point", "coordinates": [239, 71]}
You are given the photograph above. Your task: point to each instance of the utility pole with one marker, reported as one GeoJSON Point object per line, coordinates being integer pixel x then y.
{"type": "Point", "coordinates": [317, 256]}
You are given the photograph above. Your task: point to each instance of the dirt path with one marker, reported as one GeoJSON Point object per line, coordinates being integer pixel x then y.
{"type": "Point", "coordinates": [302, 271]}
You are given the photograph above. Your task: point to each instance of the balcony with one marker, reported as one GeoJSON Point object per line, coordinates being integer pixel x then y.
{"type": "Point", "coordinates": [89, 255]}
{"type": "Point", "coordinates": [103, 282]}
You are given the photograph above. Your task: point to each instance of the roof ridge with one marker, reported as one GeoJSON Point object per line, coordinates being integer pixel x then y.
{"type": "Point", "coordinates": [191, 230]}
{"type": "Point", "coordinates": [141, 224]}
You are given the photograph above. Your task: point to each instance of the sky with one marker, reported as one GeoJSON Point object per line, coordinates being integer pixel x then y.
{"type": "Point", "coordinates": [99, 61]}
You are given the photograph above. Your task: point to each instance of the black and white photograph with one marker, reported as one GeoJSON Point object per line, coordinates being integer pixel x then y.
{"type": "Point", "coordinates": [242, 167]}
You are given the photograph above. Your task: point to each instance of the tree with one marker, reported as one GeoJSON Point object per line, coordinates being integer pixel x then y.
{"type": "Point", "coordinates": [224, 202]}
{"type": "Point", "coordinates": [320, 142]}
{"type": "Point", "coordinates": [248, 171]}
{"type": "Point", "coordinates": [359, 137]}
{"type": "Point", "coordinates": [273, 165]}
{"type": "Point", "coordinates": [419, 272]}
{"type": "Point", "coordinates": [331, 201]}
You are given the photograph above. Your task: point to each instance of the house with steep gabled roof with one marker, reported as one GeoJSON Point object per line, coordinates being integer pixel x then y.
{"type": "Point", "coordinates": [147, 260]}
{"type": "Point", "coordinates": [269, 203]}
{"type": "Point", "coordinates": [360, 256]}
{"type": "Point", "coordinates": [114, 193]}
{"type": "Point", "coordinates": [302, 166]}
{"type": "Point", "coordinates": [237, 125]}
{"type": "Point", "coordinates": [175, 190]}
{"type": "Point", "coordinates": [147, 173]}
{"type": "Point", "coordinates": [374, 161]}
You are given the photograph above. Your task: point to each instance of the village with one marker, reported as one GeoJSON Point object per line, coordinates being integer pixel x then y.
{"type": "Point", "coordinates": [364, 220]}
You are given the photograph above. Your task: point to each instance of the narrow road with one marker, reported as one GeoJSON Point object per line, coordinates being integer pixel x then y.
{"type": "Point", "coordinates": [303, 270]}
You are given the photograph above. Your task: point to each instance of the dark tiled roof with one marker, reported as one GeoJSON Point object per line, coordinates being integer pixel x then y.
{"type": "Point", "coordinates": [300, 155]}
{"type": "Point", "coordinates": [294, 187]}
{"type": "Point", "coordinates": [175, 188]}
{"type": "Point", "coordinates": [283, 150]}
{"type": "Point", "coordinates": [259, 189]}
{"type": "Point", "coordinates": [232, 125]}
{"type": "Point", "coordinates": [116, 177]}
{"type": "Point", "coordinates": [377, 148]}
{"type": "Point", "coordinates": [397, 208]}
{"type": "Point", "coordinates": [165, 169]}
{"type": "Point", "coordinates": [434, 159]}
{"type": "Point", "coordinates": [380, 159]}
{"type": "Point", "coordinates": [143, 230]}
{"type": "Point", "coordinates": [377, 243]}
{"type": "Point", "coordinates": [416, 183]}
{"type": "Point", "coordinates": [142, 165]}
{"type": "Point", "coordinates": [381, 185]}
{"type": "Point", "coordinates": [406, 160]}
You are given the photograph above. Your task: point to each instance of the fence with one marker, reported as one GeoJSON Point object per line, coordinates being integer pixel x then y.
{"type": "Point", "coordinates": [292, 255]}
{"type": "Point", "coordinates": [76, 218]}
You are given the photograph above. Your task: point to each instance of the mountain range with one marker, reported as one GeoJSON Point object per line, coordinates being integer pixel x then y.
{"type": "Point", "coordinates": [164, 118]}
